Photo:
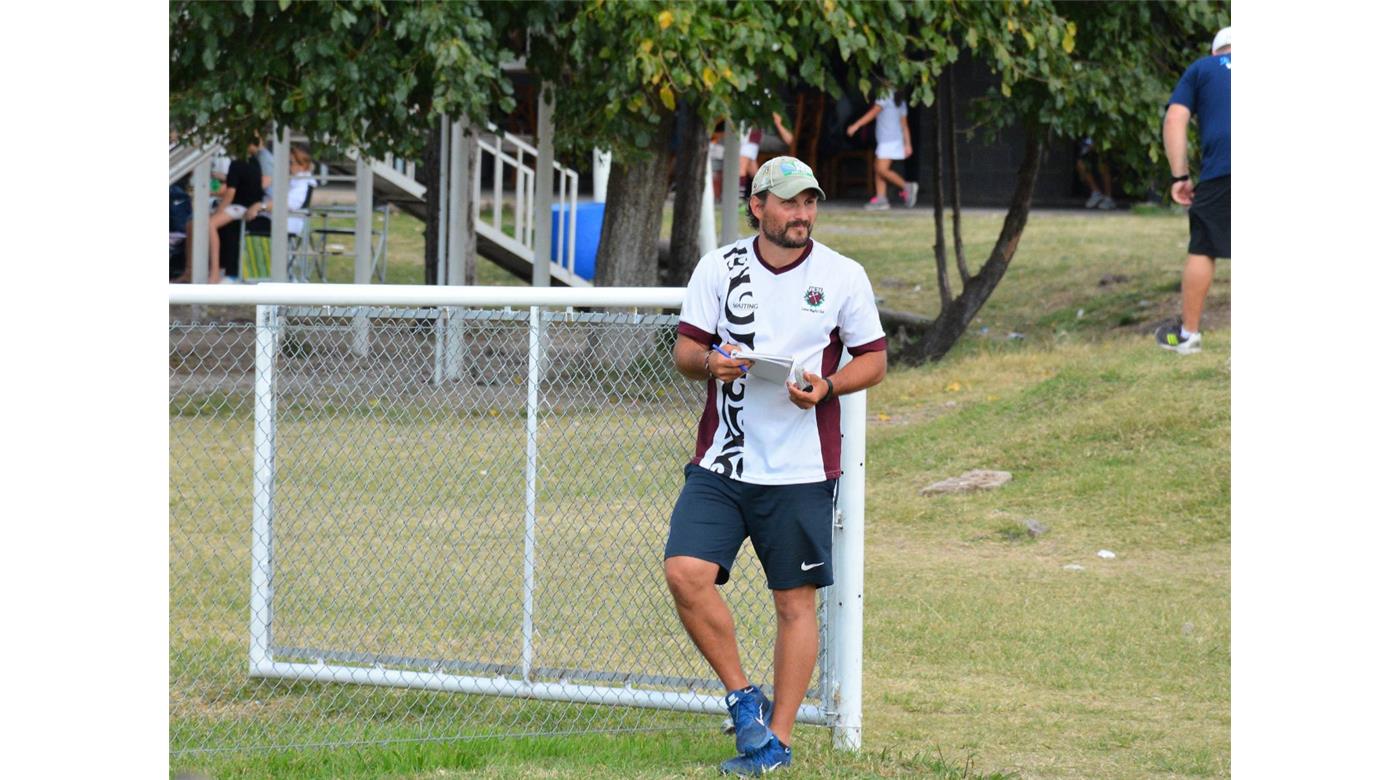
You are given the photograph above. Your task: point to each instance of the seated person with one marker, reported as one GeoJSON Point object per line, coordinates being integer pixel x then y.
{"type": "Point", "coordinates": [181, 210]}
{"type": "Point", "coordinates": [298, 197]}
{"type": "Point", "coordinates": [242, 188]}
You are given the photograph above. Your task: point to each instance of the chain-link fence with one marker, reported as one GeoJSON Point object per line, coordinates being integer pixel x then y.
{"type": "Point", "coordinates": [432, 523]}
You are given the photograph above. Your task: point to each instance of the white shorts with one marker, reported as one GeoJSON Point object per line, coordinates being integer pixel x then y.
{"type": "Point", "coordinates": [235, 211]}
{"type": "Point", "coordinates": [890, 150]}
{"type": "Point", "coordinates": [748, 149]}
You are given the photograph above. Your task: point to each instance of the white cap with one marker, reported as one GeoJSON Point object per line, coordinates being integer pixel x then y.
{"type": "Point", "coordinates": [1222, 39]}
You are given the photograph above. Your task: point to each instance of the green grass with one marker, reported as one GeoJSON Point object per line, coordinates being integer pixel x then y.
{"type": "Point", "coordinates": [985, 656]}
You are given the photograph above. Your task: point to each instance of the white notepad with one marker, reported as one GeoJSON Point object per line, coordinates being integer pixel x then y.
{"type": "Point", "coordinates": [779, 369]}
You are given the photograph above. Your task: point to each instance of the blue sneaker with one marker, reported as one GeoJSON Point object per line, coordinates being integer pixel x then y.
{"type": "Point", "coordinates": [773, 755]}
{"type": "Point", "coordinates": [750, 712]}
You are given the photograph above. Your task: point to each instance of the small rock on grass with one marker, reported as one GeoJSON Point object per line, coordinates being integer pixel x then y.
{"type": "Point", "coordinates": [1034, 527]}
{"type": "Point", "coordinates": [977, 479]}
{"type": "Point", "coordinates": [1073, 567]}
{"type": "Point", "coordinates": [1107, 555]}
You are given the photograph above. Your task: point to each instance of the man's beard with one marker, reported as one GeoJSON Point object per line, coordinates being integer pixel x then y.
{"type": "Point", "coordinates": [780, 237]}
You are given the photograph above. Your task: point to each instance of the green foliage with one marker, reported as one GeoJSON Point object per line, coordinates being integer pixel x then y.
{"type": "Point", "coordinates": [361, 74]}
{"type": "Point", "coordinates": [369, 73]}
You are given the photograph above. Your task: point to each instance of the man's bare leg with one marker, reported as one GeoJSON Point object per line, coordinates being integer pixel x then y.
{"type": "Point", "coordinates": [1195, 283]}
{"type": "Point", "coordinates": [706, 617]}
{"type": "Point", "coordinates": [794, 655]}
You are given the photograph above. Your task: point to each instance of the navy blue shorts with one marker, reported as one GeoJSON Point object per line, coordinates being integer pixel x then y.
{"type": "Point", "coordinates": [788, 525]}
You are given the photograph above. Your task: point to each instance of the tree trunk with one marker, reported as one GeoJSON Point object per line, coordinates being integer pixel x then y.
{"type": "Point", "coordinates": [934, 341]}
{"type": "Point", "coordinates": [940, 245]}
{"type": "Point", "coordinates": [428, 176]}
{"type": "Point", "coordinates": [692, 165]}
{"type": "Point", "coordinates": [632, 220]}
{"type": "Point", "coordinates": [951, 99]}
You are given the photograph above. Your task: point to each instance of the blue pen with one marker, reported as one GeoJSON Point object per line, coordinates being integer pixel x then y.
{"type": "Point", "coordinates": [720, 350]}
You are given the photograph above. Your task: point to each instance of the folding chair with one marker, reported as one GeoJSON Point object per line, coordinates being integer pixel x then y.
{"type": "Point", "coordinates": [255, 244]}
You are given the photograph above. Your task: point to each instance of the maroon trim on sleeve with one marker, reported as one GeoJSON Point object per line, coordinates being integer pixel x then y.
{"type": "Point", "coordinates": [695, 334]}
{"type": "Point", "coordinates": [878, 345]}
{"type": "Point", "coordinates": [799, 261]}
{"type": "Point", "coordinates": [829, 412]}
{"type": "Point", "coordinates": [709, 422]}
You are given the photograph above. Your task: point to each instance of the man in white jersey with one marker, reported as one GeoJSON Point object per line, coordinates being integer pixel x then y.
{"type": "Point", "coordinates": [768, 454]}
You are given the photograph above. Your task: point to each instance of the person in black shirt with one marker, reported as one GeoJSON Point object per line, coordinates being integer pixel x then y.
{"type": "Point", "coordinates": [243, 187]}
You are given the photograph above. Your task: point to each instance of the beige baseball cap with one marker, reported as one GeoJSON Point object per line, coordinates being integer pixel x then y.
{"type": "Point", "coordinates": [785, 177]}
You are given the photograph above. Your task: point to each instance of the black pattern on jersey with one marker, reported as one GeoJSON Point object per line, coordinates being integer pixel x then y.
{"type": "Point", "coordinates": [729, 461]}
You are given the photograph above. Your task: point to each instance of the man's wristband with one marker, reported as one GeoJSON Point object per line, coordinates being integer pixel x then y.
{"type": "Point", "coordinates": [830, 388]}
{"type": "Point", "coordinates": [1183, 177]}
{"type": "Point", "coordinates": [707, 364]}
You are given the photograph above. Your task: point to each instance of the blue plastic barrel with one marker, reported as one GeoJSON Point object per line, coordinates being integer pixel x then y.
{"type": "Point", "coordinates": [590, 228]}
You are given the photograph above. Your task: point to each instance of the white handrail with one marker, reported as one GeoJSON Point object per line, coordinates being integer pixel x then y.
{"type": "Point", "coordinates": [411, 295]}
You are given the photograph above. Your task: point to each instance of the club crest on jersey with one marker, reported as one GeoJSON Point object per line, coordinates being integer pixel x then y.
{"type": "Point", "coordinates": [815, 297]}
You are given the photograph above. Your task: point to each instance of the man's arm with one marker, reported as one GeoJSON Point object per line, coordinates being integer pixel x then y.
{"type": "Point", "coordinates": [1174, 141]}
{"type": "Point", "coordinates": [865, 370]}
{"type": "Point", "coordinates": [690, 356]}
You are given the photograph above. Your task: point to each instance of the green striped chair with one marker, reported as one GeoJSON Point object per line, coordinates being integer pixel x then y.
{"type": "Point", "coordinates": [255, 263]}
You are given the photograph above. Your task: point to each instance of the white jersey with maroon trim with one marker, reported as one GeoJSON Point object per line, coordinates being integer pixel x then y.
{"type": "Point", "coordinates": [810, 309]}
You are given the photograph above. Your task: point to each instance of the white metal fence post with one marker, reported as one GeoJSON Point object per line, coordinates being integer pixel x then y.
{"type": "Point", "coordinates": [527, 622]}
{"type": "Point", "coordinates": [847, 630]}
{"type": "Point", "coordinates": [364, 246]}
{"type": "Point", "coordinates": [264, 480]}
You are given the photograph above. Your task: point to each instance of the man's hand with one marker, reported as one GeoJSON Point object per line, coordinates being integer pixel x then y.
{"type": "Point", "coordinates": [809, 398]}
{"type": "Point", "coordinates": [1183, 192]}
{"type": "Point", "coordinates": [850, 131]}
{"type": "Point", "coordinates": [726, 369]}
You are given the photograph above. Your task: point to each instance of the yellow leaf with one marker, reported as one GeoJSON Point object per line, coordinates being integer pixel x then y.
{"type": "Point", "coordinates": [952, 387]}
{"type": "Point", "coordinates": [646, 46]}
{"type": "Point", "coordinates": [668, 97]}
{"type": "Point", "coordinates": [882, 417]}
{"type": "Point", "coordinates": [829, 6]}
{"type": "Point", "coordinates": [665, 18]}
{"type": "Point", "coordinates": [708, 76]}
{"type": "Point", "coordinates": [1068, 41]}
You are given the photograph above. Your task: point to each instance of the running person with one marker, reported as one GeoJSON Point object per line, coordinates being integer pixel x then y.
{"type": "Point", "coordinates": [767, 457]}
{"type": "Point", "coordinates": [1203, 91]}
{"type": "Point", "coordinates": [892, 142]}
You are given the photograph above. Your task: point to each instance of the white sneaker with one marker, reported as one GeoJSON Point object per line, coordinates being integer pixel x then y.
{"type": "Point", "coordinates": [878, 204]}
{"type": "Point", "coordinates": [1108, 203]}
{"type": "Point", "coordinates": [1094, 201]}
{"type": "Point", "coordinates": [1169, 337]}
{"type": "Point", "coordinates": [911, 194]}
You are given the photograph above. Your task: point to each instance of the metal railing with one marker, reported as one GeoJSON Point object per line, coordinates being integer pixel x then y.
{"type": "Point", "coordinates": [507, 150]}
{"type": "Point", "coordinates": [416, 513]}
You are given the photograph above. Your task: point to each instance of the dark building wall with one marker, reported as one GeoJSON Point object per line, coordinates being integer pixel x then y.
{"type": "Point", "coordinates": [987, 168]}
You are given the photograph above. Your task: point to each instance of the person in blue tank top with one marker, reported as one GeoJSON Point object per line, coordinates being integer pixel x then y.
{"type": "Point", "coordinates": [1203, 92]}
